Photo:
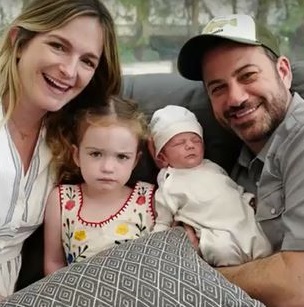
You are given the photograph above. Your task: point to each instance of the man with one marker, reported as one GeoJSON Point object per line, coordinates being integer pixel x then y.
{"type": "Point", "coordinates": [248, 82]}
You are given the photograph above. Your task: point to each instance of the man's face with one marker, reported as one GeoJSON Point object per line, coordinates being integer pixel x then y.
{"type": "Point", "coordinates": [248, 92]}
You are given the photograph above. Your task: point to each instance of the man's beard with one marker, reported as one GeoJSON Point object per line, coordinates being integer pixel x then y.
{"type": "Point", "coordinates": [274, 112]}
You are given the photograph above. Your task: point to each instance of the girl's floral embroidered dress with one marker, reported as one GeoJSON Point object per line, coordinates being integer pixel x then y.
{"type": "Point", "coordinates": [82, 239]}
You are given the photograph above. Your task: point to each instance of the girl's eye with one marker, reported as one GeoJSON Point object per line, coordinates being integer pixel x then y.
{"type": "Point", "coordinates": [122, 157]}
{"type": "Point", "coordinates": [95, 154]}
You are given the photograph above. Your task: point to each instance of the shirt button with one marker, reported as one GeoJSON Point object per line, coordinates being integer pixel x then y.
{"type": "Point", "coordinates": [273, 211]}
{"type": "Point", "coordinates": [257, 183]}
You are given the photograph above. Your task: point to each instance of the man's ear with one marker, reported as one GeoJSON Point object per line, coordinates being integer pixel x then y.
{"type": "Point", "coordinates": [75, 154]}
{"type": "Point", "coordinates": [284, 70]}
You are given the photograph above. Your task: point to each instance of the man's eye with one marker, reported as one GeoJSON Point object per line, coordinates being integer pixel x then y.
{"type": "Point", "coordinates": [249, 76]}
{"type": "Point", "coordinates": [217, 89]}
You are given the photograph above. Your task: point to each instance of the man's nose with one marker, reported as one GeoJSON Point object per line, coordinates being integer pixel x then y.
{"type": "Point", "coordinates": [237, 94]}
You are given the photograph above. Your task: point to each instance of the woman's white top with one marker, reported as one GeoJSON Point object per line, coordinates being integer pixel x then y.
{"type": "Point", "coordinates": [22, 200]}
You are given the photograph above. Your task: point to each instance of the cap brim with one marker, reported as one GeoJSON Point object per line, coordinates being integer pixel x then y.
{"type": "Point", "coordinates": [190, 55]}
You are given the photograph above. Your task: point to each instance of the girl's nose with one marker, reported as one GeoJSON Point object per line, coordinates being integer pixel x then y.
{"type": "Point", "coordinates": [107, 165]}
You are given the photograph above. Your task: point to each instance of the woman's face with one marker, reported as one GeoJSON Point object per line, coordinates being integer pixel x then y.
{"type": "Point", "coordinates": [55, 66]}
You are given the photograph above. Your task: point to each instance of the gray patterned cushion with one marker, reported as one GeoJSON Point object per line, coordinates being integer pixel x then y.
{"type": "Point", "coordinates": [161, 269]}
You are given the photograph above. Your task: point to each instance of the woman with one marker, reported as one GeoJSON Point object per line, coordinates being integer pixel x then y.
{"type": "Point", "coordinates": [50, 54]}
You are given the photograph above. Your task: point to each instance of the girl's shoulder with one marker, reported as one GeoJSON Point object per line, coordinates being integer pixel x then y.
{"type": "Point", "coordinates": [143, 192]}
{"type": "Point", "coordinates": [69, 195]}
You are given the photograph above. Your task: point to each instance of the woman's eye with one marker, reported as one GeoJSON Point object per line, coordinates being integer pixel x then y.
{"type": "Point", "coordinates": [89, 63]}
{"type": "Point", "coordinates": [57, 46]}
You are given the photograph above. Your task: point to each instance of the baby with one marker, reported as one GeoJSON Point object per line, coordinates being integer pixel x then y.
{"type": "Point", "coordinates": [200, 193]}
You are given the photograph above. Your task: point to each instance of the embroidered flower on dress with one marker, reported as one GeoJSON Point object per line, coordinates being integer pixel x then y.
{"type": "Point", "coordinates": [80, 235]}
{"type": "Point", "coordinates": [122, 229]}
{"type": "Point", "coordinates": [141, 199]}
{"type": "Point", "coordinates": [70, 204]}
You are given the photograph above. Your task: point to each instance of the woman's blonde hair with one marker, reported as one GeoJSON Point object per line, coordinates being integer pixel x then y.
{"type": "Point", "coordinates": [116, 111]}
{"type": "Point", "coordinates": [46, 15]}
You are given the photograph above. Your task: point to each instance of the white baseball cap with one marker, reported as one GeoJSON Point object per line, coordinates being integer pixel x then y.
{"type": "Point", "coordinates": [239, 28]}
{"type": "Point", "coordinates": [169, 121]}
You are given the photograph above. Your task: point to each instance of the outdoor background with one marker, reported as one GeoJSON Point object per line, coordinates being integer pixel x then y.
{"type": "Point", "coordinates": [151, 32]}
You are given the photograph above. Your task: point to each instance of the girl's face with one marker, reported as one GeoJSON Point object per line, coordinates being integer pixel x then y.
{"type": "Point", "coordinates": [55, 66]}
{"type": "Point", "coordinates": [107, 156]}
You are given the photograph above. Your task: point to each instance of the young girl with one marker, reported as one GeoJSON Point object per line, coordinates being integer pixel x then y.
{"type": "Point", "coordinates": [100, 210]}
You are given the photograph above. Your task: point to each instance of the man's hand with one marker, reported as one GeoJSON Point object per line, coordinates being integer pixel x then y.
{"type": "Point", "coordinates": [190, 233]}
{"type": "Point", "coordinates": [277, 281]}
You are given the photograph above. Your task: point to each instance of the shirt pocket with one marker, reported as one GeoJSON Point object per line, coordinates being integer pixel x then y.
{"type": "Point", "coordinates": [270, 208]}
{"type": "Point", "coordinates": [270, 202]}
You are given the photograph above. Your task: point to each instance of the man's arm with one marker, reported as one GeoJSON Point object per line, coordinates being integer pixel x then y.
{"type": "Point", "coordinates": [277, 280]}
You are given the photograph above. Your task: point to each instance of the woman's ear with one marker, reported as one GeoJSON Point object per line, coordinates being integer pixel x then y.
{"type": "Point", "coordinates": [76, 155]}
{"type": "Point", "coordinates": [13, 37]}
{"type": "Point", "coordinates": [13, 33]}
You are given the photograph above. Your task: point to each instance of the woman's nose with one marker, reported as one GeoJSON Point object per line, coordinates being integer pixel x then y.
{"type": "Point", "coordinates": [68, 68]}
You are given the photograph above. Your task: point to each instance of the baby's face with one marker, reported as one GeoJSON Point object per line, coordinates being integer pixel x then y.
{"type": "Point", "coordinates": [184, 150]}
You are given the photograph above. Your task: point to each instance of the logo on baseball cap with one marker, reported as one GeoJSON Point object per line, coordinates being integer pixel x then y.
{"type": "Point", "coordinates": [239, 28]}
